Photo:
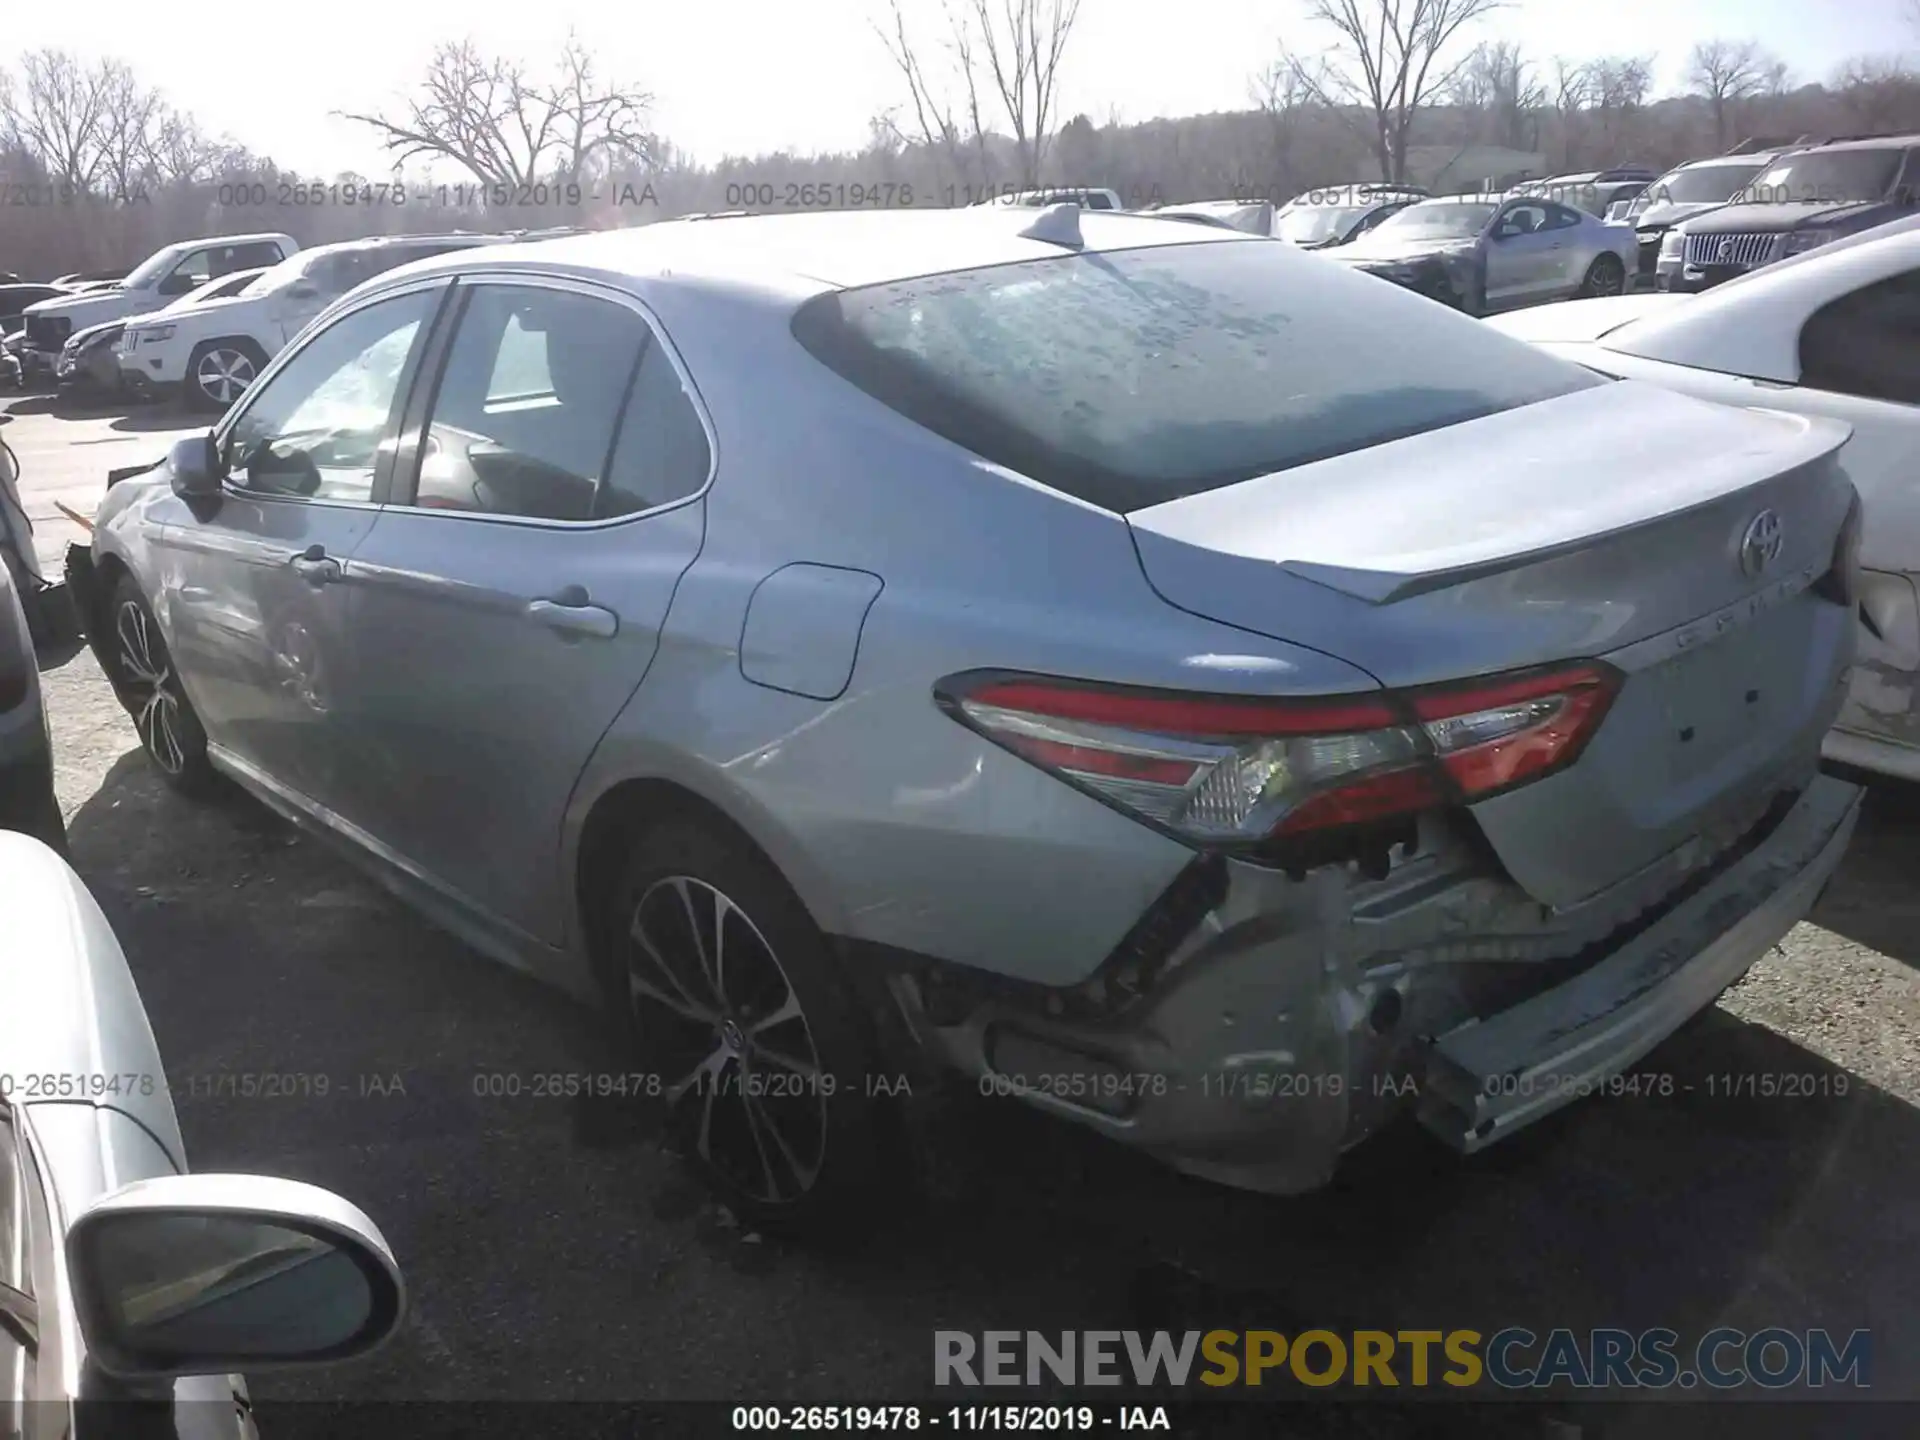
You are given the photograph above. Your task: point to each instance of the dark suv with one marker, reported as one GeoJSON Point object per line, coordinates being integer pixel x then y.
{"type": "Point", "coordinates": [1801, 202]}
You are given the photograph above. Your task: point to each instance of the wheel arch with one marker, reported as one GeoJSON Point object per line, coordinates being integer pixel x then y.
{"type": "Point", "coordinates": [603, 819]}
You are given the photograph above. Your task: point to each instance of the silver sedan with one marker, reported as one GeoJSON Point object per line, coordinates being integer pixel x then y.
{"type": "Point", "coordinates": [1485, 253]}
{"type": "Point", "coordinates": [1135, 666]}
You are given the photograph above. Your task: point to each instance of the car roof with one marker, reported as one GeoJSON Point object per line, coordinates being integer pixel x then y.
{"type": "Point", "coordinates": [382, 242]}
{"type": "Point", "coordinates": [830, 249]}
{"type": "Point", "coordinates": [203, 240]}
{"type": "Point", "coordinates": [1875, 142]}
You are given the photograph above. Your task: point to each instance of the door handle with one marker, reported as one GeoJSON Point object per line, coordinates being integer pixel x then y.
{"type": "Point", "coordinates": [315, 566]}
{"type": "Point", "coordinates": [571, 613]}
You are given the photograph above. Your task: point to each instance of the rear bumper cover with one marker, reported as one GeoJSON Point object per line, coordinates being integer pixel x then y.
{"type": "Point", "coordinates": [1282, 1039]}
{"type": "Point", "coordinates": [1488, 1078]}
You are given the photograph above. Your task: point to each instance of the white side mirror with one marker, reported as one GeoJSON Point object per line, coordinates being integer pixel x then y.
{"type": "Point", "coordinates": [211, 1274]}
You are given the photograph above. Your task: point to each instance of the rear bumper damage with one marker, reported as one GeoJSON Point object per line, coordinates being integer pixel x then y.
{"type": "Point", "coordinates": [1487, 1078]}
{"type": "Point", "coordinates": [1298, 1015]}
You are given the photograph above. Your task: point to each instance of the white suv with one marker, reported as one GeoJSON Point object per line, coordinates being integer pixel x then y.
{"type": "Point", "coordinates": [208, 356]}
{"type": "Point", "coordinates": [156, 282]}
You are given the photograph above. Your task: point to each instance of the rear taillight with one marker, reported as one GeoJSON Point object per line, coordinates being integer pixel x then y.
{"type": "Point", "coordinates": [1232, 771]}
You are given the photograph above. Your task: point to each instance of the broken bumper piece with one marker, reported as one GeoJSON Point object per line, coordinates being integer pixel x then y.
{"type": "Point", "coordinates": [1488, 1078]}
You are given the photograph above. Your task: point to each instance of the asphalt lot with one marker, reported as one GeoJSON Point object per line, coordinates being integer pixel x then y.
{"type": "Point", "coordinates": [550, 1258]}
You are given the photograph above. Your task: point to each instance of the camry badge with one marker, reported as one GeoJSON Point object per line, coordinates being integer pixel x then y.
{"type": "Point", "coordinates": [1761, 545]}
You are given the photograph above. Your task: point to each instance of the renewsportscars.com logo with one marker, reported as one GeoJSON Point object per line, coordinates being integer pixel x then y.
{"type": "Point", "coordinates": [1513, 1358]}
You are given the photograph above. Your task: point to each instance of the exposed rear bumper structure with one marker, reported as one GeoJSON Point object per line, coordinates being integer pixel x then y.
{"type": "Point", "coordinates": [1280, 1037]}
{"type": "Point", "coordinates": [1490, 1077]}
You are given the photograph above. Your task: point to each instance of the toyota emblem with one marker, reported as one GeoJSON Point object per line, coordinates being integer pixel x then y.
{"type": "Point", "coordinates": [1726, 250]}
{"type": "Point", "coordinates": [1760, 546]}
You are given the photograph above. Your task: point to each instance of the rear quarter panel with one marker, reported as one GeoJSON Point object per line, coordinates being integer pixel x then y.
{"type": "Point", "coordinates": [896, 824]}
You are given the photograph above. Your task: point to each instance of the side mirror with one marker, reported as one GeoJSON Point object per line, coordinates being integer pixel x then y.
{"type": "Point", "coordinates": [195, 462]}
{"type": "Point", "coordinates": [211, 1274]}
{"type": "Point", "coordinates": [303, 290]}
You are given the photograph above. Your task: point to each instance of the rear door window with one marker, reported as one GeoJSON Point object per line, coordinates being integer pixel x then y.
{"type": "Point", "coordinates": [525, 418]}
{"type": "Point", "coordinates": [1130, 378]}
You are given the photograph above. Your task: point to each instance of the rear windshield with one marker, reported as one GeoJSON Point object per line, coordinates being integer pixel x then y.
{"type": "Point", "coordinates": [1130, 378]}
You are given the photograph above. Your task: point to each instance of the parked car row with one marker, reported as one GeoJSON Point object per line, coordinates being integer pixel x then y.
{"type": "Point", "coordinates": [199, 319]}
{"type": "Point", "coordinates": [168, 274]}
{"type": "Point", "coordinates": [949, 695]}
{"type": "Point", "coordinates": [1801, 199]}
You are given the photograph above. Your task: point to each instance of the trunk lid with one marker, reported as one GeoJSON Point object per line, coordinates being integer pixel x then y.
{"type": "Point", "coordinates": [1609, 523]}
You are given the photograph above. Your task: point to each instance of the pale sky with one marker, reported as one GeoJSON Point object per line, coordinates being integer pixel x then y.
{"type": "Point", "coordinates": [749, 76]}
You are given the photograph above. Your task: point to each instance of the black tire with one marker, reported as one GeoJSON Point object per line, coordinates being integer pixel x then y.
{"type": "Point", "coordinates": [789, 1153]}
{"type": "Point", "coordinates": [238, 352]}
{"type": "Point", "coordinates": [1607, 275]}
{"type": "Point", "coordinates": [1440, 289]}
{"type": "Point", "coordinates": [147, 684]}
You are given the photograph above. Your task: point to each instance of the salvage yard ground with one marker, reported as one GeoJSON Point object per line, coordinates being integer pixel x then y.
{"type": "Point", "coordinates": [547, 1259]}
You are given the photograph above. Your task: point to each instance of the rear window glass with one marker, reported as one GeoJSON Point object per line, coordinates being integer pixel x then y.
{"type": "Point", "coordinates": [1127, 379]}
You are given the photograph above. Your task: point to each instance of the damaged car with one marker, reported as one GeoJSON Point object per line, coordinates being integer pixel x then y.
{"type": "Point", "coordinates": [1064, 652]}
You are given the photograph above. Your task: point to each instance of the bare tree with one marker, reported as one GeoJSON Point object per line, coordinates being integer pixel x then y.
{"type": "Point", "coordinates": [1003, 55]}
{"type": "Point", "coordinates": [1497, 85]}
{"type": "Point", "coordinates": [1573, 93]}
{"type": "Point", "coordinates": [131, 118]}
{"type": "Point", "coordinates": [1619, 87]}
{"type": "Point", "coordinates": [1023, 54]}
{"type": "Point", "coordinates": [56, 111]}
{"type": "Point", "coordinates": [1878, 93]}
{"type": "Point", "coordinates": [1727, 72]}
{"type": "Point", "coordinates": [1391, 60]}
{"type": "Point", "coordinates": [486, 115]}
{"type": "Point", "coordinates": [178, 151]}
{"type": "Point", "coordinates": [958, 139]}
{"type": "Point", "coordinates": [1284, 91]}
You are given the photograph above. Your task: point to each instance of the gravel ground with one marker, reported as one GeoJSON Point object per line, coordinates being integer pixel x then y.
{"type": "Point", "coordinates": [549, 1260]}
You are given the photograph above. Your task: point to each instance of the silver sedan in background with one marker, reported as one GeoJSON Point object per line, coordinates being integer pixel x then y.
{"type": "Point", "coordinates": [1485, 253]}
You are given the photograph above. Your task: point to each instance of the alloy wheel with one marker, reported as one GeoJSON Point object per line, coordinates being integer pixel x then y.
{"type": "Point", "coordinates": [148, 678]}
{"type": "Point", "coordinates": [223, 375]}
{"type": "Point", "coordinates": [1608, 279]}
{"type": "Point", "coordinates": [724, 1029]}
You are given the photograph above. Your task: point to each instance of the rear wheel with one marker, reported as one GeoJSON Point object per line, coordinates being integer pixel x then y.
{"type": "Point", "coordinates": [148, 685]}
{"type": "Point", "coordinates": [220, 372]}
{"type": "Point", "coordinates": [1607, 275]}
{"type": "Point", "coordinates": [728, 1000]}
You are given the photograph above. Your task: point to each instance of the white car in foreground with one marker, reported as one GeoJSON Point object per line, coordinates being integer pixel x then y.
{"type": "Point", "coordinates": [209, 357]}
{"type": "Point", "coordinates": [122, 1276]}
{"type": "Point", "coordinates": [1835, 332]}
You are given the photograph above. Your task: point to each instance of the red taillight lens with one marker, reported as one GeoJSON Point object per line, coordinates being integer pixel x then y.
{"type": "Point", "coordinates": [1229, 770]}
